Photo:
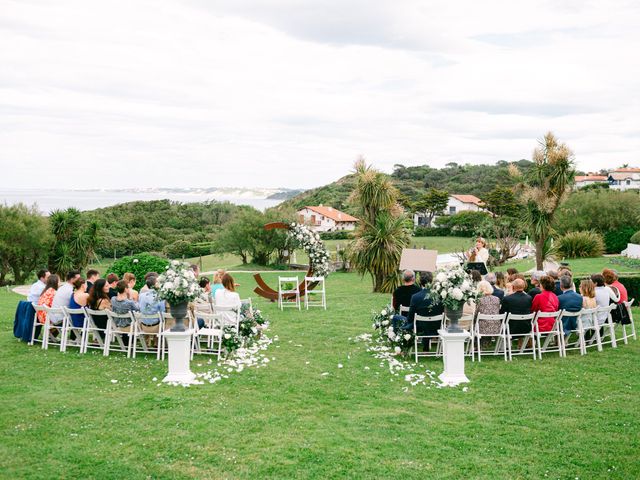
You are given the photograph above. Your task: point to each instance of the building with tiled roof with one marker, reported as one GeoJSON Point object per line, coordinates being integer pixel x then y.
{"type": "Point", "coordinates": [326, 219]}
{"type": "Point", "coordinates": [589, 179]}
{"type": "Point", "coordinates": [627, 178]}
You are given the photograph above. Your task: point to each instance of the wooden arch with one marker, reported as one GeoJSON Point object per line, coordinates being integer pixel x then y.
{"type": "Point", "coordinates": [265, 290]}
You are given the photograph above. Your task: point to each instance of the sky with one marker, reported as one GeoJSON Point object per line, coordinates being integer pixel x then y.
{"type": "Point", "coordinates": [199, 93]}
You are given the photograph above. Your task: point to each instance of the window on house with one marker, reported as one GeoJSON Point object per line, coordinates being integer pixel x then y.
{"type": "Point", "coordinates": [628, 182]}
{"type": "Point", "coordinates": [452, 210]}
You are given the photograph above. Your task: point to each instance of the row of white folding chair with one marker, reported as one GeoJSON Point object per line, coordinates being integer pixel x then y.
{"type": "Point", "coordinates": [291, 297]}
{"type": "Point", "coordinates": [213, 330]}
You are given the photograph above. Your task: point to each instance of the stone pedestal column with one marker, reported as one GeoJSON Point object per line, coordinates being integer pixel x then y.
{"type": "Point", "coordinates": [453, 357]}
{"type": "Point", "coordinates": [179, 344]}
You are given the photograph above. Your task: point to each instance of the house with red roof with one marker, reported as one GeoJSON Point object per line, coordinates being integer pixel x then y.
{"type": "Point", "coordinates": [326, 219]}
{"type": "Point", "coordinates": [622, 179]}
{"type": "Point", "coordinates": [589, 179]}
{"type": "Point", "coordinates": [457, 203]}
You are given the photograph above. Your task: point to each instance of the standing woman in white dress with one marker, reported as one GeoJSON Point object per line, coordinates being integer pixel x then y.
{"type": "Point", "coordinates": [479, 252]}
{"type": "Point", "coordinates": [227, 297]}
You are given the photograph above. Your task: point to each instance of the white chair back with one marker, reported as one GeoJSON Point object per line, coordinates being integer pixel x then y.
{"type": "Point", "coordinates": [288, 297]}
{"type": "Point", "coordinates": [318, 290]}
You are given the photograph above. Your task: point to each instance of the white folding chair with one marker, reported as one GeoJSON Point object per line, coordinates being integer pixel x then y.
{"type": "Point", "coordinates": [404, 311]}
{"type": "Point", "coordinates": [579, 344]}
{"type": "Point", "coordinates": [94, 329]}
{"type": "Point", "coordinates": [68, 328]}
{"type": "Point", "coordinates": [36, 323]}
{"type": "Point", "coordinates": [116, 333]}
{"type": "Point", "coordinates": [554, 334]}
{"type": "Point", "coordinates": [430, 323]}
{"type": "Point", "coordinates": [288, 297]}
{"type": "Point", "coordinates": [524, 323]}
{"type": "Point", "coordinates": [142, 332]}
{"type": "Point", "coordinates": [625, 335]}
{"type": "Point", "coordinates": [54, 321]}
{"type": "Point", "coordinates": [501, 336]}
{"type": "Point", "coordinates": [318, 290]}
{"type": "Point", "coordinates": [606, 331]}
{"type": "Point", "coordinates": [211, 333]}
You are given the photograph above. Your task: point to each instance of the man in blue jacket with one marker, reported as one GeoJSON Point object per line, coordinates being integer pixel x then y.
{"type": "Point", "coordinates": [569, 301]}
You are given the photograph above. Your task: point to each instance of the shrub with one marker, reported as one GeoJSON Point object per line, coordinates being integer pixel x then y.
{"type": "Point", "coordinates": [431, 232]}
{"type": "Point", "coordinates": [339, 235]}
{"type": "Point", "coordinates": [580, 245]}
{"type": "Point", "coordinates": [635, 238]}
{"type": "Point", "coordinates": [616, 240]}
{"type": "Point", "coordinates": [183, 248]}
{"type": "Point", "coordinates": [139, 265]}
{"type": "Point", "coordinates": [465, 224]}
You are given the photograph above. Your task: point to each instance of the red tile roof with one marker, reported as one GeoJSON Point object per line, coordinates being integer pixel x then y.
{"type": "Point", "coordinates": [627, 170]}
{"type": "Point", "coordinates": [591, 178]}
{"type": "Point", "coordinates": [468, 199]}
{"type": "Point", "coordinates": [333, 214]}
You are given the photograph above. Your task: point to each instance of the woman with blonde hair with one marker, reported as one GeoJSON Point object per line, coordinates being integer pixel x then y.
{"type": "Point", "coordinates": [130, 278]}
{"type": "Point", "coordinates": [217, 282]}
{"type": "Point", "coordinates": [479, 252]}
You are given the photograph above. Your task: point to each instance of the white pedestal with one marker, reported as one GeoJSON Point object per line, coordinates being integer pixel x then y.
{"type": "Point", "coordinates": [453, 357]}
{"type": "Point", "coordinates": [179, 357]}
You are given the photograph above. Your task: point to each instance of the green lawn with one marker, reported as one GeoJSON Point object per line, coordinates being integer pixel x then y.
{"type": "Point", "coordinates": [579, 266]}
{"type": "Point", "coordinates": [62, 417]}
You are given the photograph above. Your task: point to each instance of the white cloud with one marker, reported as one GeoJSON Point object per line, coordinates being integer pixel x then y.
{"type": "Point", "coordinates": [256, 93]}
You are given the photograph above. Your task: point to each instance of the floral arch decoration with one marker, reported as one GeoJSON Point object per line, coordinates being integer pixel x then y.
{"type": "Point", "coordinates": [299, 235]}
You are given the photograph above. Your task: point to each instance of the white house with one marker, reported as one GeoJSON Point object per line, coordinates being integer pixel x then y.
{"type": "Point", "coordinates": [624, 179]}
{"type": "Point", "coordinates": [326, 219]}
{"type": "Point", "coordinates": [456, 204]}
{"type": "Point", "coordinates": [590, 179]}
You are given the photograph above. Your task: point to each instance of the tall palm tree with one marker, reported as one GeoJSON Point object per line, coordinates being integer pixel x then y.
{"type": "Point", "coordinates": [74, 242]}
{"type": "Point", "coordinates": [383, 230]}
{"type": "Point", "coordinates": [544, 188]}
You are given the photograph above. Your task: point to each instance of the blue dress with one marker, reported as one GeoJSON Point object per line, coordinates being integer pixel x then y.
{"type": "Point", "coordinates": [77, 319]}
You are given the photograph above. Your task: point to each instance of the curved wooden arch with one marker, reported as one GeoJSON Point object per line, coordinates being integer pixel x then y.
{"type": "Point", "coordinates": [265, 290]}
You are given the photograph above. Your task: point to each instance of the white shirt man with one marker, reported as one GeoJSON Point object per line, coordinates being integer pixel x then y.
{"type": "Point", "coordinates": [63, 296]}
{"type": "Point", "coordinates": [36, 289]}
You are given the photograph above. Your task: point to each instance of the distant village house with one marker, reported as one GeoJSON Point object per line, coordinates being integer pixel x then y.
{"type": "Point", "coordinates": [326, 219]}
{"type": "Point", "coordinates": [457, 203]}
{"type": "Point", "coordinates": [624, 179]}
{"type": "Point", "coordinates": [589, 179]}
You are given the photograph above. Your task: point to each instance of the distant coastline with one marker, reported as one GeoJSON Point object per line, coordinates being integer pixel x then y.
{"type": "Point", "coordinates": [90, 199]}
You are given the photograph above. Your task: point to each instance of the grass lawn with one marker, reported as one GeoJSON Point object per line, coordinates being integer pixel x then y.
{"type": "Point", "coordinates": [62, 417]}
{"type": "Point", "coordinates": [579, 266]}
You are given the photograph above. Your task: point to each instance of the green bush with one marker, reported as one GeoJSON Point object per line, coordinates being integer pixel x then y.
{"type": "Point", "coordinates": [464, 224]}
{"type": "Point", "coordinates": [431, 232]}
{"type": "Point", "coordinates": [339, 235]}
{"type": "Point", "coordinates": [635, 238]}
{"type": "Point", "coordinates": [580, 245]}
{"type": "Point", "coordinates": [183, 248]}
{"type": "Point", "coordinates": [616, 240]}
{"type": "Point", "coordinates": [139, 265]}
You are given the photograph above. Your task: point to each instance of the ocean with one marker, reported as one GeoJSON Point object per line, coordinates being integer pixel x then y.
{"type": "Point", "coordinates": [49, 200]}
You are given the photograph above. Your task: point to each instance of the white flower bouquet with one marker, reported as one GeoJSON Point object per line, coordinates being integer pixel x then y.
{"type": "Point", "coordinates": [400, 340]}
{"type": "Point", "coordinates": [178, 284]}
{"type": "Point", "coordinates": [302, 236]}
{"type": "Point", "coordinates": [452, 287]}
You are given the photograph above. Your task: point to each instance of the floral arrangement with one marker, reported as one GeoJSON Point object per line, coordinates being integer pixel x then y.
{"type": "Point", "coordinates": [178, 284]}
{"type": "Point", "coordinates": [452, 287]}
{"type": "Point", "coordinates": [252, 324]}
{"type": "Point", "coordinates": [400, 341]}
{"type": "Point", "coordinates": [231, 340]}
{"type": "Point", "coordinates": [301, 235]}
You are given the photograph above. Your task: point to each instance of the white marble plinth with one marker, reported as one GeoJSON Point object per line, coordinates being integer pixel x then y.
{"type": "Point", "coordinates": [179, 344]}
{"type": "Point", "coordinates": [453, 357]}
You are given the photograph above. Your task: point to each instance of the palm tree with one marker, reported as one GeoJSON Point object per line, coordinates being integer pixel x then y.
{"type": "Point", "coordinates": [74, 242]}
{"type": "Point", "coordinates": [544, 188]}
{"type": "Point", "coordinates": [383, 231]}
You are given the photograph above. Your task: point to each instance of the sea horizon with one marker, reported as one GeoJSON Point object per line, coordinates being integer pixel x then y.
{"type": "Point", "coordinates": [48, 200]}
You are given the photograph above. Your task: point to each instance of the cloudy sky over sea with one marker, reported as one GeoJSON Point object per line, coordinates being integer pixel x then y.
{"type": "Point", "coordinates": [288, 93]}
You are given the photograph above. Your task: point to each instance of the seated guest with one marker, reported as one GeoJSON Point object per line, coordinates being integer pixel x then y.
{"type": "Point", "coordinates": [204, 303]}
{"type": "Point", "coordinates": [78, 300]}
{"type": "Point", "coordinates": [546, 301]}
{"type": "Point", "coordinates": [63, 295]}
{"type": "Point", "coordinates": [112, 280]}
{"type": "Point", "coordinates": [476, 276]}
{"type": "Point", "coordinates": [148, 300]}
{"type": "Point", "coordinates": [217, 282]}
{"type": "Point", "coordinates": [422, 304]}
{"type": "Point", "coordinates": [122, 304]}
{"type": "Point", "coordinates": [227, 297]}
{"type": "Point", "coordinates": [588, 292]}
{"type": "Point", "coordinates": [92, 276]}
{"type": "Point", "coordinates": [556, 280]}
{"type": "Point", "coordinates": [518, 303]}
{"type": "Point", "coordinates": [501, 281]}
{"type": "Point", "coordinates": [99, 300]}
{"type": "Point", "coordinates": [569, 301]}
{"type": "Point", "coordinates": [487, 304]}
{"type": "Point", "coordinates": [604, 296]}
{"type": "Point", "coordinates": [511, 271]}
{"type": "Point", "coordinates": [146, 277]}
{"type": "Point", "coordinates": [196, 270]}
{"type": "Point", "coordinates": [611, 280]}
{"type": "Point", "coordinates": [402, 295]}
{"type": "Point", "coordinates": [130, 278]}
{"type": "Point", "coordinates": [508, 289]}
{"type": "Point", "coordinates": [496, 292]}
{"type": "Point", "coordinates": [38, 287]}
{"type": "Point", "coordinates": [535, 282]}
{"type": "Point", "coordinates": [46, 297]}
